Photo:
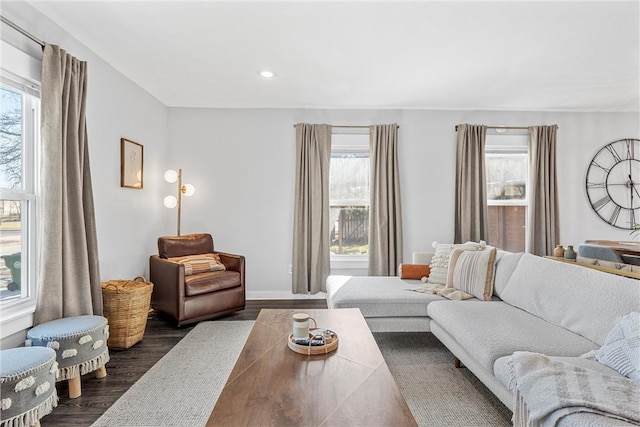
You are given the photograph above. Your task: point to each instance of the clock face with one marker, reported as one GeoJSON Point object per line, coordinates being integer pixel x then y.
{"type": "Point", "coordinates": [613, 183]}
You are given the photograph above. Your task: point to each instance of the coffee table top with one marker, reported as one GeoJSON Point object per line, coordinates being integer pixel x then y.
{"type": "Point", "coordinates": [273, 385]}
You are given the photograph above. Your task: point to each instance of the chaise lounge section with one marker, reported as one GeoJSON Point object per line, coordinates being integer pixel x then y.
{"type": "Point", "coordinates": [384, 302]}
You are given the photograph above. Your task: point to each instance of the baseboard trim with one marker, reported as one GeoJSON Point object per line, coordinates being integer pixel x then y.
{"type": "Point", "coordinates": [257, 295]}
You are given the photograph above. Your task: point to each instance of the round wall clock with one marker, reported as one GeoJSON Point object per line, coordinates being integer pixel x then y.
{"type": "Point", "coordinates": [613, 183]}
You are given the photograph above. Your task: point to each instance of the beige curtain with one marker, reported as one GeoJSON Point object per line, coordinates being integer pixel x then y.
{"type": "Point", "coordinates": [68, 278]}
{"type": "Point", "coordinates": [311, 233]}
{"type": "Point", "coordinates": [544, 224]}
{"type": "Point", "coordinates": [471, 189]}
{"type": "Point", "coordinates": [385, 212]}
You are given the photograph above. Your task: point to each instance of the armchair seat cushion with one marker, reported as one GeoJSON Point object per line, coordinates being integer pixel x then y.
{"type": "Point", "coordinates": [204, 283]}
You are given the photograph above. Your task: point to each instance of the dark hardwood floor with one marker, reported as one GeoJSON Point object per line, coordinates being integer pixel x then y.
{"type": "Point", "coordinates": [127, 366]}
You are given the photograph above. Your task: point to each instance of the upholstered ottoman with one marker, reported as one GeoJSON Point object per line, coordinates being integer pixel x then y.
{"type": "Point", "coordinates": [27, 385]}
{"type": "Point", "coordinates": [80, 344]}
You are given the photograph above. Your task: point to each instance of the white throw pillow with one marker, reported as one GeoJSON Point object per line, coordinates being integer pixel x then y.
{"type": "Point", "coordinates": [621, 350]}
{"type": "Point", "coordinates": [440, 261]}
{"type": "Point", "coordinates": [472, 272]}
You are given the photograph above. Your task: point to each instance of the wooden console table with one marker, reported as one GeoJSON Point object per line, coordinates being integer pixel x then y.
{"type": "Point", "coordinates": [597, 267]}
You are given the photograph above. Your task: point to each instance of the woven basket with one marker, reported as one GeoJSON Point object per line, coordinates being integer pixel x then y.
{"type": "Point", "coordinates": [126, 307]}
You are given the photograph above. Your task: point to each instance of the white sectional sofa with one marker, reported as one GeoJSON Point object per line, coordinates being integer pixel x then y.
{"type": "Point", "coordinates": [541, 306]}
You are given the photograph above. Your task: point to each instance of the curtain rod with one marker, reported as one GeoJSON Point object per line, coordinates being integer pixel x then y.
{"type": "Point", "coordinates": [505, 127]}
{"type": "Point", "coordinates": [22, 31]}
{"type": "Point", "coordinates": [350, 126]}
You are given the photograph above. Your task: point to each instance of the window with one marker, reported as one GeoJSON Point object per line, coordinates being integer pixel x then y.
{"type": "Point", "coordinates": [349, 195]}
{"type": "Point", "coordinates": [19, 132]}
{"type": "Point", "coordinates": [507, 168]}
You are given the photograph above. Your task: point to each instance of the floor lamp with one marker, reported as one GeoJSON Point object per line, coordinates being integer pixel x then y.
{"type": "Point", "coordinates": [171, 202]}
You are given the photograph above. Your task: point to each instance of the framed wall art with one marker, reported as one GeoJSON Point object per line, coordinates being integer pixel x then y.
{"type": "Point", "coordinates": [131, 164]}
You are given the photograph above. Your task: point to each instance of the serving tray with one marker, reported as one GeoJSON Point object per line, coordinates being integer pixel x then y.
{"type": "Point", "coordinates": [328, 347]}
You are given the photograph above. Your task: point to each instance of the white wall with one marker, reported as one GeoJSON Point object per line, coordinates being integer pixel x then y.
{"type": "Point", "coordinates": [128, 221]}
{"type": "Point", "coordinates": [242, 163]}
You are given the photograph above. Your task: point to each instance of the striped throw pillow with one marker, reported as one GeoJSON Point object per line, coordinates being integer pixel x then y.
{"type": "Point", "coordinates": [472, 272]}
{"type": "Point", "coordinates": [194, 264]}
{"type": "Point", "coordinates": [440, 261]}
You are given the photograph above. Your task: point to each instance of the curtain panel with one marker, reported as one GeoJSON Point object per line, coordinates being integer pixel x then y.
{"type": "Point", "coordinates": [68, 277]}
{"type": "Point", "coordinates": [311, 233]}
{"type": "Point", "coordinates": [471, 213]}
{"type": "Point", "coordinates": [544, 223]}
{"type": "Point", "coordinates": [385, 211]}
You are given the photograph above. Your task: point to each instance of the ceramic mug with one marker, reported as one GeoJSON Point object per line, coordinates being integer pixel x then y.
{"type": "Point", "coordinates": [301, 326]}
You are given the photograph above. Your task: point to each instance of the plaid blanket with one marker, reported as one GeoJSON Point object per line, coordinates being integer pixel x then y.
{"type": "Point", "coordinates": [548, 391]}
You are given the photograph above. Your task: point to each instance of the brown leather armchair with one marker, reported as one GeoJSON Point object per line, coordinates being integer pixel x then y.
{"type": "Point", "coordinates": [191, 298]}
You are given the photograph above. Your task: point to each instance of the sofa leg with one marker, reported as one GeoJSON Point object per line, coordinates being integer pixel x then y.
{"type": "Point", "coordinates": [457, 363]}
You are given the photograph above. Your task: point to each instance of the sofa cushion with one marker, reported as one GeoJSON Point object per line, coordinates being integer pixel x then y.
{"type": "Point", "coordinates": [377, 296]}
{"type": "Point", "coordinates": [621, 350]}
{"type": "Point", "coordinates": [472, 272]}
{"type": "Point", "coordinates": [585, 301]}
{"type": "Point", "coordinates": [188, 244]}
{"type": "Point", "coordinates": [492, 329]}
{"type": "Point", "coordinates": [505, 264]}
{"type": "Point", "coordinates": [213, 281]}
{"type": "Point", "coordinates": [440, 260]}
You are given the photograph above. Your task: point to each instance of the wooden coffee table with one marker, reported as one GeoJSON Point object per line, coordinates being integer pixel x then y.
{"type": "Point", "coordinates": [273, 385]}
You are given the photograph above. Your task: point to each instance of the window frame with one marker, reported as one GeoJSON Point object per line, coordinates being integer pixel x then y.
{"type": "Point", "coordinates": [516, 144]}
{"type": "Point", "coordinates": [16, 314]}
{"type": "Point", "coordinates": [349, 261]}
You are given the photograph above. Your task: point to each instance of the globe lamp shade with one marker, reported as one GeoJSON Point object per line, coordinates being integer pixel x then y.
{"type": "Point", "coordinates": [170, 202]}
{"type": "Point", "coordinates": [188, 190]}
{"type": "Point", "coordinates": [171, 176]}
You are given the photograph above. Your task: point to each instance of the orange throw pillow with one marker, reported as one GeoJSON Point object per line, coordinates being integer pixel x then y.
{"type": "Point", "coordinates": [414, 271]}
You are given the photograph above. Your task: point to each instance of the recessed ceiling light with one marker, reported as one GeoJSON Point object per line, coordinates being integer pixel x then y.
{"type": "Point", "coordinates": [267, 74]}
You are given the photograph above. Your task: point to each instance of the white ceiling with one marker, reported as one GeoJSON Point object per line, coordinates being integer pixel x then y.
{"type": "Point", "coordinates": [488, 55]}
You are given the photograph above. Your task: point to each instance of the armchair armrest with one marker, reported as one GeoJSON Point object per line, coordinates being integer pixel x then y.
{"type": "Point", "coordinates": [165, 271]}
{"type": "Point", "coordinates": [168, 284]}
{"type": "Point", "coordinates": [232, 262]}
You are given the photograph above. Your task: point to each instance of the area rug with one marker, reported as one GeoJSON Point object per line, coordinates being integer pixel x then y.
{"type": "Point", "coordinates": [438, 394]}
{"type": "Point", "coordinates": [182, 388]}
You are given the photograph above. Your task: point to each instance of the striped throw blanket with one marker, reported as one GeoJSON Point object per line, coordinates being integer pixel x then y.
{"type": "Point", "coordinates": [548, 391]}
